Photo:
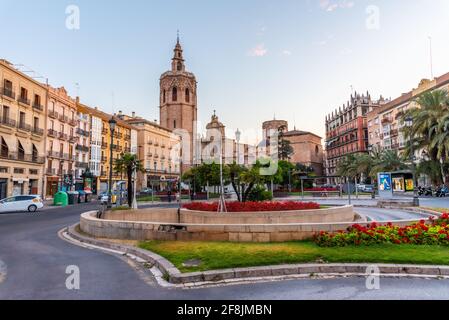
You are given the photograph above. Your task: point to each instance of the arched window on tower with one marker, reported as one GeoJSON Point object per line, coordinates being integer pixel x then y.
{"type": "Point", "coordinates": [164, 98]}
{"type": "Point", "coordinates": [187, 95]}
{"type": "Point", "coordinates": [175, 94]}
{"type": "Point", "coordinates": [179, 66]}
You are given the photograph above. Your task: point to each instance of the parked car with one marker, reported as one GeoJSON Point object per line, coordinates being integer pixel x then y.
{"type": "Point", "coordinates": [29, 203]}
{"type": "Point", "coordinates": [365, 188]}
{"type": "Point", "coordinates": [146, 192]}
{"type": "Point", "coordinates": [101, 195]}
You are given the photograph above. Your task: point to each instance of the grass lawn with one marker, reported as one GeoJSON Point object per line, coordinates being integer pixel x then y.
{"type": "Point", "coordinates": [224, 255]}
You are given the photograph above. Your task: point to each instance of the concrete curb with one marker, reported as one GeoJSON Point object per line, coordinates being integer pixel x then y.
{"type": "Point", "coordinates": [175, 277]}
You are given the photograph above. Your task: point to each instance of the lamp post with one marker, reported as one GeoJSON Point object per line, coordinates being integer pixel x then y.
{"type": "Point", "coordinates": [238, 135]}
{"type": "Point", "coordinates": [409, 123]}
{"type": "Point", "coordinates": [62, 175]}
{"type": "Point", "coordinates": [112, 124]}
{"type": "Point", "coordinates": [222, 203]}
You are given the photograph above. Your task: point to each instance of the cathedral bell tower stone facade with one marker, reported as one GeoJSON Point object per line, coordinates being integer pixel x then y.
{"type": "Point", "coordinates": [178, 104]}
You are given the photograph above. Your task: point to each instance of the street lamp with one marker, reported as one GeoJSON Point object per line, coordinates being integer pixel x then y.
{"type": "Point", "coordinates": [409, 123]}
{"type": "Point", "coordinates": [112, 124]}
{"type": "Point", "coordinates": [62, 175]}
{"type": "Point", "coordinates": [222, 203]}
{"type": "Point", "coordinates": [238, 135]}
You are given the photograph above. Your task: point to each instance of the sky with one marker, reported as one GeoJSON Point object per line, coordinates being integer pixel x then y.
{"type": "Point", "coordinates": [254, 59]}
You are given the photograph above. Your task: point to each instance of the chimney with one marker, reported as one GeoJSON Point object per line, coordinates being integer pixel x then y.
{"type": "Point", "coordinates": [133, 114]}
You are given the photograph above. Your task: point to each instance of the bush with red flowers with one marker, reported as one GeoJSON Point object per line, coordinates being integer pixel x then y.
{"type": "Point", "coordinates": [435, 232]}
{"type": "Point", "coordinates": [253, 206]}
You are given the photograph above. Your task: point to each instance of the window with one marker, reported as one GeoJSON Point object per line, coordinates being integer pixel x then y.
{"type": "Point", "coordinates": [179, 66]}
{"type": "Point", "coordinates": [187, 95]}
{"type": "Point", "coordinates": [164, 95]}
{"type": "Point", "coordinates": [37, 100]}
{"type": "Point", "coordinates": [4, 149]}
{"type": "Point", "coordinates": [174, 124]}
{"type": "Point", "coordinates": [22, 119]}
{"type": "Point", "coordinates": [36, 123]}
{"type": "Point", "coordinates": [21, 151]}
{"type": "Point", "coordinates": [5, 113]}
{"type": "Point", "coordinates": [34, 154]}
{"type": "Point", "coordinates": [23, 94]}
{"type": "Point", "coordinates": [175, 94]}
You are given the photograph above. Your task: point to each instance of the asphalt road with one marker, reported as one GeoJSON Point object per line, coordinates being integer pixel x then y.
{"type": "Point", "coordinates": [33, 262]}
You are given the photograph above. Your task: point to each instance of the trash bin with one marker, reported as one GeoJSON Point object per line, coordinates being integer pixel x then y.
{"type": "Point", "coordinates": [73, 197]}
{"type": "Point", "coordinates": [61, 199]}
{"type": "Point", "coordinates": [88, 196]}
{"type": "Point", "coordinates": [81, 197]}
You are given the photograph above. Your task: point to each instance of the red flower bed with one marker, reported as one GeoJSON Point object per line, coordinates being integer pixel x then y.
{"type": "Point", "coordinates": [321, 189]}
{"type": "Point", "coordinates": [253, 206]}
{"type": "Point", "coordinates": [436, 232]}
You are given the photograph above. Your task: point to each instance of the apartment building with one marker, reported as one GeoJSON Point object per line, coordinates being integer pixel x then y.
{"type": "Point", "coordinates": [61, 141]}
{"type": "Point", "coordinates": [22, 138]}
{"type": "Point", "coordinates": [124, 140]}
{"type": "Point", "coordinates": [385, 124]}
{"type": "Point", "coordinates": [82, 149]}
{"type": "Point", "coordinates": [157, 151]}
{"type": "Point", "coordinates": [347, 130]}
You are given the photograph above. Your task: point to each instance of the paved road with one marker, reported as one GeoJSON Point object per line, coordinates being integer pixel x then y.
{"type": "Point", "coordinates": [33, 261]}
{"type": "Point", "coordinates": [378, 214]}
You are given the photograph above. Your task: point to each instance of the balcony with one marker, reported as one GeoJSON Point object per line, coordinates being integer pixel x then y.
{"type": "Point", "coordinates": [104, 131]}
{"type": "Point", "coordinates": [82, 132]}
{"type": "Point", "coordinates": [8, 122]}
{"type": "Point", "coordinates": [53, 114]}
{"type": "Point", "coordinates": [82, 148]}
{"type": "Point", "coordinates": [38, 106]}
{"type": "Point", "coordinates": [73, 139]}
{"type": "Point", "coordinates": [62, 136]}
{"type": "Point", "coordinates": [128, 137]}
{"type": "Point", "coordinates": [104, 159]}
{"type": "Point", "coordinates": [8, 92]}
{"type": "Point", "coordinates": [24, 127]}
{"type": "Point", "coordinates": [103, 174]}
{"type": "Point", "coordinates": [83, 165]}
{"type": "Point", "coordinates": [38, 131]}
{"type": "Point", "coordinates": [150, 143]}
{"type": "Point", "coordinates": [394, 132]}
{"type": "Point", "coordinates": [150, 155]}
{"type": "Point", "coordinates": [52, 133]}
{"type": "Point", "coordinates": [156, 144]}
{"type": "Point", "coordinates": [63, 118]}
{"type": "Point", "coordinates": [22, 157]}
{"type": "Point", "coordinates": [24, 100]}
{"type": "Point", "coordinates": [163, 146]}
{"type": "Point", "coordinates": [50, 172]}
{"type": "Point", "coordinates": [73, 122]}
{"type": "Point", "coordinates": [104, 145]}
{"type": "Point", "coordinates": [386, 120]}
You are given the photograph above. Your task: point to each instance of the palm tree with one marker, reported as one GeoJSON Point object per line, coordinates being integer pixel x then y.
{"type": "Point", "coordinates": [126, 164]}
{"type": "Point", "coordinates": [430, 128]}
{"type": "Point", "coordinates": [347, 167]}
{"type": "Point", "coordinates": [388, 161]}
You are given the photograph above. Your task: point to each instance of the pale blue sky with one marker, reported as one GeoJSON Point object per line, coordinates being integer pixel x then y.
{"type": "Point", "coordinates": [252, 58]}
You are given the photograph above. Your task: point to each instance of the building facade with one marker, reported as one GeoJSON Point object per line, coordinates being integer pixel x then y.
{"type": "Point", "coordinates": [82, 149]}
{"type": "Point", "coordinates": [307, 147]}
{"type": "Point", "coordinates": [158, 150]}
{"type": "Point", "coordinates": [347, 130]}
{"type": "Point", "coordinates": [178, 103]}
{"type": "Point", "coordinates": [100, 147]}
{"type": "Point", "coordinates": [22, 124]}
{"type": "Point", "coordinates": [61, 140]}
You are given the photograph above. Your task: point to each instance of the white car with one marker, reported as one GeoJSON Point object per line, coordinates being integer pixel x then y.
{"type": "Point", "coordinates": [29, 203]}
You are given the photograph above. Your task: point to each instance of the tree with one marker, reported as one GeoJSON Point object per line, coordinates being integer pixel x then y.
{"type": "Point", "coordinates": [388, 161]}
{"type": "Point", "coordinates": [285, 150]}
{"type": "Point", "coordinates": [126, 164]}
{"type": "Point", "coordinates": [430, 128]}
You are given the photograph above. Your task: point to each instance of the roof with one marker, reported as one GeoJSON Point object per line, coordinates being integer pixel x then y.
{"type": "Point", "coordinates": [104, 115]}
{"type": "Point", "coordinates": [151, 123]}
{"type": "Point", "coordinates": [300, 133]}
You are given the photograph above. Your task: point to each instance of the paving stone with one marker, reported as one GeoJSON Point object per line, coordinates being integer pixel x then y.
{"type": "Point", "coordinates": [284, 270]}
{"type": "Point", "coordinates": [187, 278]}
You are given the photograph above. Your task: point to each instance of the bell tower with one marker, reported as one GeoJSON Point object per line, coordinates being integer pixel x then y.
{"type": "Point", "coordinates": [178, 100]}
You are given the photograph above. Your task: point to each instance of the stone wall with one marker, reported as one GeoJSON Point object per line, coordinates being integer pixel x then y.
{"type": "Point", "coordinates": [140, 230]}
{"type": "Point", "coordinates": [335, 214]}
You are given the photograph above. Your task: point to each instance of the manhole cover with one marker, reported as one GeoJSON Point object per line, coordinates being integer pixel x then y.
{"type": "Point", "coordinates": [192, 263]}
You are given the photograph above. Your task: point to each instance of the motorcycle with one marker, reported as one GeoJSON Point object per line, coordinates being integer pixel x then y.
{"type": "Point", "coordinates": [442, 192]}
{"type": "Point", "coordinates": [425, 191]}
